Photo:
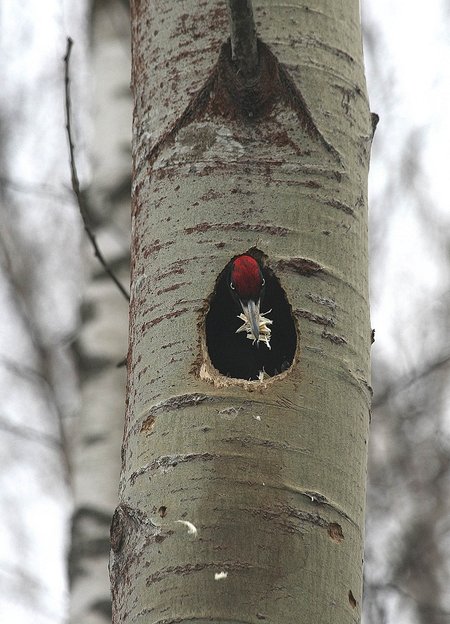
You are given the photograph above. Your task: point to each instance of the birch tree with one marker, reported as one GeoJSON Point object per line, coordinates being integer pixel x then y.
{"type": "Point", "coordinates": [101, 340]}
{"type": "Point", "coordinates": [243, 501]}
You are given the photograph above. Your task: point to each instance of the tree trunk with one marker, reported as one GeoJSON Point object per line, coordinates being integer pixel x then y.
{"type": "Point", "coordinates": [101, 342]}
{"type": "Point", "coordinates": [243, 501]}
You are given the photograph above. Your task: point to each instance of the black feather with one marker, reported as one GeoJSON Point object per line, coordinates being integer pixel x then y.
{"type": "Point", "coordinates": [234, 354]}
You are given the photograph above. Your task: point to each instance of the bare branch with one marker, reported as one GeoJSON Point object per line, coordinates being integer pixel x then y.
{"type": "Point", "coordinates": [408, 380]}
{"type": "Point", "coordinates": [244, 47]}
{"type": "Point", "coordinates": [29, 433]}
{"type": "Point", "coordinates": [74, 175]}
{"type": "Point", "coordinates": [394, 587]}
{"type": "Point", "coordinates": [40, 190]}
{"type": "Point", "coordinates": [24, 372]}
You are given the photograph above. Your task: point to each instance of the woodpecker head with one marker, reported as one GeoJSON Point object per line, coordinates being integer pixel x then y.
{"type": "Point", "coordinates": [247, 288]}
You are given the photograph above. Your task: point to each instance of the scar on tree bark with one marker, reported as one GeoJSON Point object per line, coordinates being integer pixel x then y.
{"type": "Point", "coordinates": [232, 92]}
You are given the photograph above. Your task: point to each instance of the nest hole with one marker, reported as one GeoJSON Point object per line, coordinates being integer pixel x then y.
{"type": "Point", "coordinates": [235, 353]}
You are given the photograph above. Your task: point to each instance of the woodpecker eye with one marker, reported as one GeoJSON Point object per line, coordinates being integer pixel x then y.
{"type": "Point", "coordinates": [263, 283]}
{"type": "Point", "coordinates": [232, 286]}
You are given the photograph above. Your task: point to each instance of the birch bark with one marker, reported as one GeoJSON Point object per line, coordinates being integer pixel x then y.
{"type": "Point", "coordinates": [271, 474]}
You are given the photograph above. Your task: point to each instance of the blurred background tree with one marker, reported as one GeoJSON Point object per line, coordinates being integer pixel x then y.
{"type": "Point", "coordinates": [407, 548]}
{"type": "Point", "coordinates": [64, 323]}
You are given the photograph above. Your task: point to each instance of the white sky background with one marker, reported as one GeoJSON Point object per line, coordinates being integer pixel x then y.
{"type": "Point", "coordinates": [409, 234]}
{"type": "Point", "coordinates": [409, 88]}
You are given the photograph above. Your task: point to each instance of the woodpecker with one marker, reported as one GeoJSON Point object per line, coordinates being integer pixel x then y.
{"type": "Point", "coordinates": [247, 287]}
{"type": "Point", "coordinates": [237, 321]}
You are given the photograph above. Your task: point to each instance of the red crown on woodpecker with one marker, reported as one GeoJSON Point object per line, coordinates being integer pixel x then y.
{"type": "Point", "coordinates": [246, 278]}
{"type": "Point", "coordinates": [235, 327]}
{"type": "Point", "coordinates": [246, 283]}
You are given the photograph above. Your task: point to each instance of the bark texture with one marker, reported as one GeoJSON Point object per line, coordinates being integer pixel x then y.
{"type": "Point", "coordinates": [244, 501]}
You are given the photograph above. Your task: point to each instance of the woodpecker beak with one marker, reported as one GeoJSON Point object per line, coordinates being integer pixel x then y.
{"type": "Point", "coordinates": [251, 311]}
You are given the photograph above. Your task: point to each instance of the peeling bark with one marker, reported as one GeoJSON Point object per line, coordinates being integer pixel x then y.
{"type": "Point", "coordinates": [271, 474]}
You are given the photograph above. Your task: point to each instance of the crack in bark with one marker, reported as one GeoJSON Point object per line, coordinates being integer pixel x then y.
{"type": "Point", "coordinates": [284, 514]}
{"type": "Point", "coordinates": [315, 318]}
{"type": "Point", "coordinates": [126, 518]}
{"type": "Point", "coordinates": [174, 403]}
{"type": "Point", "coordinates": [193, 619]}
{"type": "Point", "coordinates": [275, 230]}
{"type": "Point", "coordinates": [320, 499]}
{"type": "Point", "coordinates": [302, 266]}
{"type": "Point", "coordinates": [164, 317]}
{"type": "Point", "coordinates": [189, 568]}
{"type": "Point", "coordinates": [338, 340]}
{"type": "Point", "coordinates": [325, 301]}
{"type": "Point", "coordinates": [165, 462]}
{"type": "Point", "coordinates": [334, 203]}
{"type": "Point", "coordinates": [247, 441]}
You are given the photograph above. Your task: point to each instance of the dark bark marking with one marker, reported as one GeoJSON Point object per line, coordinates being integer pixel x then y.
{"type": "Point", "coordinates": [302, 266]}
{"type": "Point", "coordinates": [162, 511]}
{"type": "Point", "coordinates": [338, 340]}
{"type": "Point", "coordinates": [335, 532]}
{"type": "Point", "coordinates": [171, 461]}
{"type": "Point", "coordinates": [155, 247]}
{"type": "Point", "coordinates": [177, 270]}
{"type": "Point", "coordinates": [325, 301]}
{"type": "Point", "coordinates": [131, 532]}
{"type": "Point", "coordinates": [212, 195]}
{"type": "Point", "coordinates": [367, 386]}
{"type": "Point", "coordinates": [171, 344]}
{"type": "Point", "coordinates": [281, 138]}
{"type": "Point", "coordinates": [175, 403]}
{"type": "Point", "coordinates": [124, 521]}
{"type": "Point", "coordinates": [293, 520]}
{"type": "Point", "coordinates": [320, 499]}
{"type": "Point", "coordinates": [170, 288]}
{"type": "Point", "coordinates": [352, 599]}
{"type": "Point", "coordinates": [116, 531]}
{"type": "Point", "coordinates": [189, 568]}
{"type": "Point", "coordinates": [229, 95]}
{"type": "Point", "coordinates": [334, 51]}
{"type": "Point", "coordinates": [374, 118]}
{"type": "Point", "coordinates": [314, 318]}
{"type": "Point", "coordinates": [164, 317]}
{"type": "Point", "coordinates": [248, 441]}
{"type": "Point", "coordinates": [148, 423]}
{"type": "Point", "coordinates": [238, 225]}
{"type": "Point", "coordinates": [340, 206]}
{"type": "Point", "coordinates": [194, 619]}
{"type": "Point", "coordinates": [316, 497]}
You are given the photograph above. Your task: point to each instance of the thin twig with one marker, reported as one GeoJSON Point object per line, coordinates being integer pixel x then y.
{"type": "Point", "coordinates": [390, 586]}
{"type": "Point", "coordinates": [30, 374]}
{"type": "Point", "coordinates": [410, 379]}
{"type": "Point", "coordinates": [244, 47]}
{"type": "Point", "coordinates": [74, 175]}
{"type": "Point", "coordinates": [29, 433]}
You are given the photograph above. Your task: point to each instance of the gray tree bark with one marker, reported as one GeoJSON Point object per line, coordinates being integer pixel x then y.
{"type": "Point", "coordinates": [243, 501]}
